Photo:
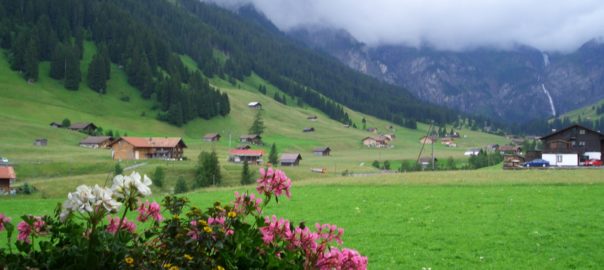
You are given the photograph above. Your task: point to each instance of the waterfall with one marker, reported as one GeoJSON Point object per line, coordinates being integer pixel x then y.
{"type": "Point", "coordinates": [545, 59]}
{"type": "Point", "coordinates": [549, 97]}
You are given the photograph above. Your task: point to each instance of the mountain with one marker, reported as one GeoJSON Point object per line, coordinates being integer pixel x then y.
{"type": "Point", "coordinates": [515, 86]}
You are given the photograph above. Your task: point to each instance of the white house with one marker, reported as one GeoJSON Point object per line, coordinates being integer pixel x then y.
{"type": "Point", "coordinates": [472, 152]}
{"type": "Point", "coordinates": [561, 159]}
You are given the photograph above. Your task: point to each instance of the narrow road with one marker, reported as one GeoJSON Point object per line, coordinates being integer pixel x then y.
{"type": "Point", "coordinates": [135, 166]}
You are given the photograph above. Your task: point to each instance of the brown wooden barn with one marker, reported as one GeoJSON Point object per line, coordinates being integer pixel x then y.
{"type": "Point", "coordinates": [96, 142]}
{"type": "Point", "coordinates": [241, 155]}
{"type": "Point", "coordinates": [7, 178]}
{"type": "Point", "coordinates": [322, 151]}
{"type": "Point", "coordinates": [86, 127]}
{"type": "Point", "coordinates": [135, 148]}
{"type": "Point", "coordinates": [251, 138]}
{"type": "Point", "coordinates": [211, 137]}
{"type": "Point", "coordinates": [290, 159]}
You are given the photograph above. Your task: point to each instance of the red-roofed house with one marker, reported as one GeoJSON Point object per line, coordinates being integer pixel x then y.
{"type": "Point", "coordinates": [127, 148]}
{"type": "Point", "coordinates": [249, 155]}
{"type": "Point", "coordinates": [7, 177]}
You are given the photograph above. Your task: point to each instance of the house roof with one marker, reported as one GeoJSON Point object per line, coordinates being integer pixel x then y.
{"type": "Point", "coordinates": [473, 150]}
{"type": "Point", "coordinates": [382, 139]}
{"type": "Point", "coordinates": [211, 135]}
{"type": "Point", "coordinates": [308, 128]}
{"type": "Point", "coordinates": [95, 139]}
{"type": "Point", "coordinates": [56, 124]}
{"type": "Point", "coordinates": [246, 152]}
{"type": "Point", "coordinates": [84, 125]}
{"type": "Point", "coordinates": [7, 172]}
{"type": "Point", "coordinates": [509, 148]}
{"type": "Point", "coordinates": [250, 136]}
{"type": "Point", "coordinates": [312, 117]}
{"type": "Point", "coordinates": [290, 157]}
{"type": "Point", "coordinates": [152, 142]}
{"type": "Point", "coordinates": [254, 104]}
{"type": "Point", "coordinates": [322, 149]}
{"type": "Point", "coordinates": [569, 127]}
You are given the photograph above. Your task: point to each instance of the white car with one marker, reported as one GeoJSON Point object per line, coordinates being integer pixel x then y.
{"type": "Point", "coordinates": [3, 160]}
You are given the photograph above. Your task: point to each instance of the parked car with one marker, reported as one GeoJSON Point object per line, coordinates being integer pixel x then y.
{"type": "Point", "coordinates": [3, 160]}
{"type": "Point", "coordinates": [536, 163]}
{"type": "Point", "coordinates": [593, 162]}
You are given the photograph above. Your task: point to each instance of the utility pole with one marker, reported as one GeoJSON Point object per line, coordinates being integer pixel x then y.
{"type": "Point", "coordinates": [433, 155]}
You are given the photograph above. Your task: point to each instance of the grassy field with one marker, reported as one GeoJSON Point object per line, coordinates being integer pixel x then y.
{"type": "Point", "coordinates": [586, 113]}
{"type": "Point", "coordinates": [27, 109]}
{"type": "Point", "coordinates": [443, 220]}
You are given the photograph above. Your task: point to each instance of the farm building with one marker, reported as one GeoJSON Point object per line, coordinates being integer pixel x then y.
{"type": "Point", "coordinates": [427, 161]}
{"type": "Point", "coordinates": [376, 141]}
{"type": "Point", "coordinates": [135, 148]}
{"type": "Point", "coordinates": [472, 152]}
{"type": "Point", "coordinates": [255, 105]}
{"type": "Point", "coordinates": [211, 137]}
{"type": "Point", "coordinates": [41, 142]}
{"type": "Point", "coordinates": [567, 146]}
{"type": "Point", "coordinates": [290, 159]}
{"type": "Point", "coordinates": [251, 156]}
{"type": "Point", "coordinates": [7, 178]}
{"type": "Point", "coordinates": [309, 129]}
{"type": "Point", "coordinates": [243, 147]}
{"type": "Point", "coordinates": [251, 139]}
{"type": "Point", "coordinates": [312, 118]}
{"type": "Point", "coordinates": [87, 128]}
{"type": "Point", "coordinates": [96, 141]}
{"type": "Point", "coordinates": [56, 125]}
{"type": "Point", "coordinates": [427, 140]}
{"type": "Point", "coordinates": [447, 141]}
{"type": "Point", "coordinates": [372, 129]}
{"type": "Point", "coordinates": [510, 149]}
{"type": "Point", "coordinates": [390, 136]}
{"type": "Point", "coordinates": [322, 151]}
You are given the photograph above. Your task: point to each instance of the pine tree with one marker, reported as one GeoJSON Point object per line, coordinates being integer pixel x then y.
{"type": "Point", "coordinates": [258, 124]}
{"type": "Point", "coordinates": [66, 123]}
{"type": "Point", "coordinates": [31, 60]}
{"type": "Point", "coordinates": [181, 186]}
{"type": "Point", "coordinates": [118, 169]}
{"type": "Point", "coordinates": [273, 156]}
{"type": "Point", "coordinates": [97, 74]}
{"type": "Point", "coordinates": [72, 69]}
{"type": "Point", "coordinates": [158, 176]}
{"type": "Point", "coordinates": [246, 174]}
{"type": "Point", "coordinates": [57, 63]}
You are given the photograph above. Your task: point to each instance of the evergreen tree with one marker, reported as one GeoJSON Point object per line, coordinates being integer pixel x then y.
{"type": "Point", "coordinates": [31, 60]}
{"type": "Point", "coordinates": [158, 176]}
{"type": "Point", "coordinates": [246, 174]}
{"type": "Point", "coordinates": [181, 186]}
{"type": "Point", "coordinates": [386, 165]}
{"type": "Point", "coordinates": [97, 76]}
{"type": "Point", "coordinates": [118, 169]}
{"type": "Point", "coordinates": [72, 69]}
{"type": "Point", "coordinates": [57, 63]}
{"type": "Point", "coordinates": [66, 123]}
{"type": "Point", "coordinates": [208, 170]}
{"type": "Point", "coordinates": [375, 164]}
{"type": "Point", "coordinates": [273, 156]}
{"type": "Point", "coordinates": [175, 115]}
{"type": "Point", "coordinates": [258, 124]}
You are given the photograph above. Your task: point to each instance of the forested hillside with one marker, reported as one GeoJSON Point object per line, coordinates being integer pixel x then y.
{"type": "Point", "coordinates": [147, 38]}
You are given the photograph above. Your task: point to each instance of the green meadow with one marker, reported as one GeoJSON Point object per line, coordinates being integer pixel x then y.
{"type": "Point", "coordinates": [479, 219]}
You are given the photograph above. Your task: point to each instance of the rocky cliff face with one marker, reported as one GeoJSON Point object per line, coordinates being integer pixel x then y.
{"type": "Point", "coordinates": [513, 86]}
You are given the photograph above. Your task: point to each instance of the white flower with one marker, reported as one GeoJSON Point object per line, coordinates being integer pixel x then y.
{"type": "Point", "coordinates": [104, 197]}
{"type": "Point", "coordinates": [87, 200]}
{"type": "Point", "coordinates": [123, 186]}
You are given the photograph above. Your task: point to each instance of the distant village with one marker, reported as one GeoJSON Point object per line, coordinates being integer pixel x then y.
{"type": "Point", "coordinates": [575, 146]}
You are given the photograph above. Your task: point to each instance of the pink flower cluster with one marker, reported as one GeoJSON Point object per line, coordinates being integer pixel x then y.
{"type": "Point", "coordinates": [114, 223]}
{"type": "Point", "coordinates": [273, 182]}
{"type": "Point", "coordinates": [146, 210]}
{"type": "Point", "coordinates": [3, 219]}
{"type": "Point", "coordinates": [342, 259]}
{"type": "Point", "coordinates": [244, 203]}
{"type": "Point", "coordinates": [25, 229]}
{"type": "Point", "coordinates": [315, 245]}
{"type": "Point", "coordinates": [193, 233]}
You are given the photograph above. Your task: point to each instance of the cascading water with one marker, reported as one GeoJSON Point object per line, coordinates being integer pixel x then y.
{"type": "Point", "coordinates": [549, 97]}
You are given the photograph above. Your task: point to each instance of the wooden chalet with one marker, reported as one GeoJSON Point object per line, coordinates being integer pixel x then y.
{"type": "Point", "coordinates": [290, 159]}
{"type": "Point", "coordinates": [255, 105]}
{"type": "Point", "coordinates": [322, 151]}
{"type": "Point", "coordinates": [251, 139]}
{"type": "Point", "coordinates": [41, 142]}
{"type": "Point", "coordinates": [242, 155]}
{"type": "Point", "coordinates": [97, 142]}
{"type": "Point", "coordinates": [7, 178]}
{"type": "Point", "coordinates": [86, 127]}
{"type": "Point", "coordinates": [312, 118]}
{"type": "Point", "coordinates": [511, 161]}
{"type": "Point", "coordinates": [135, 148]}
{"type": "Point", "coordinates": [309, 129]}
{"type": "Point", "coordinates": [211, 137]}
{"type": "Point", "coordinates": [376, 141]}
{"type": "Point", "coordinates": [510, 149]}
{"type": "Point", "coordinates": [372, 129]}
{"type": "Point", "coordinates": [571, 145]}
{"type": "Point", "coordinates": [56, 125]}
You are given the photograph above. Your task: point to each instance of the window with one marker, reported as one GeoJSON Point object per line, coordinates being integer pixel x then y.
{"type": "Point", "coordinates": [559, 158]}
{"type": "Point", "coordinates": [582, 131]}
{"type": "Point", "coordinates": [581, 143]}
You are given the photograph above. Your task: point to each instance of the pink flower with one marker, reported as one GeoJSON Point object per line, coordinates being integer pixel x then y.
{"type": "Point", "coordinates": [3, 219]}
{"type": "Point", "coordinates": [344, 259]}
{"type": "Point", "coordinates": [127, 225]}
{"type": "Point", "coordinates": [24, 231]}
{"type": "Point", "coordinates": [218, 220]}
{"type": "Point", "coordinates": [39, 225]}
{"type": "Point", "coordinates": [329, 233]}
{"type": "Point", "coordinates": [273, 182]}
{"type": "Point", "coordinates": [244, 203]}
{"type": "Point", "coordinates": [274, 229]}
{"type": "Point", "coordinates": [146, 210]}
{"type": "Point", "coordinates": [194, 232]}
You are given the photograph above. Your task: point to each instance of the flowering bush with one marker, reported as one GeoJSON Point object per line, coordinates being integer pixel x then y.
{"type": "Point", "coordinates": [87, 232]}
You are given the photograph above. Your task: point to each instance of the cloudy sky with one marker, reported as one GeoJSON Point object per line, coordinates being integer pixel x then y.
{"type": "Point", "coordinates": [549, 25]}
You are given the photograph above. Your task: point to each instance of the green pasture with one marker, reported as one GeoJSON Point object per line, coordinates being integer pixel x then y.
{"type": "Point", "coordinates": [483, 219]}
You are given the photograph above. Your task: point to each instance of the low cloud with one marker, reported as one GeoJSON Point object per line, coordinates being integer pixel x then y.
{"type": "Point", "coordinates": [548, 25]}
